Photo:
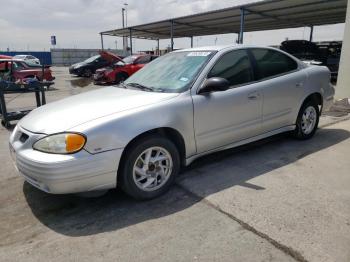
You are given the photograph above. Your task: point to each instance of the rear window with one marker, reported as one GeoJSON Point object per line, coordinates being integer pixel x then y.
{"type": "Point", "coordinates": [272, 63]}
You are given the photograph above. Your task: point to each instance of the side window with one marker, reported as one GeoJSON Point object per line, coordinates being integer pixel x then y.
{"type": "Point", "coordinates": [17, 66]}
{"type": "Point", "coordinates": [235, 67]}
{"type": "Point", "coordinates": [144, 59]}
{"type": "Point", "coordinates": [272, 63]}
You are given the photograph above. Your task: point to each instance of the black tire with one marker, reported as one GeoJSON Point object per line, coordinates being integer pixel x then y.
{"type": "Point", "coordinates": [299, 132]}
{"type": "Point", "coordinates": [126, 179]}
{"type": "Point", "coordinates": [87, 72]}
{"type": "Point", "coordinates": [120, 77]}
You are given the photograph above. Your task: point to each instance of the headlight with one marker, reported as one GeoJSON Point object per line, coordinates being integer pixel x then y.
{"type": "Point", "coordinates": [63, 143]}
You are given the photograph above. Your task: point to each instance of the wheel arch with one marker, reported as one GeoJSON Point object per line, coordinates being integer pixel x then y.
{"type": "Point", "coordinates": [316, 97]}
{"type": "Point", "coordinates": [168, 132]}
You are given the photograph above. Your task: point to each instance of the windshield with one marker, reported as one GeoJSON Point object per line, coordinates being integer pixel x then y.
{"type": "Point", "coordinates": [92, 59]}
{"type": "Point", "coordinates": [130, 59]}
{"type": "Point", "coordinates": [174, 72]}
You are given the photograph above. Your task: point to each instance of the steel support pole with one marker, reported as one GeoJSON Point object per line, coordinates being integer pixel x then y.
{"type": "Point", "coordinates": [172, 36]}
{"type": "Point", "coordinates": [191, 41]}
{"type": "Point", "coordinates": [101, 41]}
{"type": "Point", "coordinates": [158, 51]}
{"type": "Point", "coordinates": [125, 39]}
{"type": "Point", "coordinates": [311, 33]}
{"type": "Point", "coordinates": [241, 30]}
{"type": "Point", "coordinates": [130, 33]}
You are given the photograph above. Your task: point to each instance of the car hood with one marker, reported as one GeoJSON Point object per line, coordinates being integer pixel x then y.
{"type": "Point", "coordinates": [110, 57]}
{"type": "Point", "coordinates": [79, 64]}
{"type": "Point", "coordinates": [72, 111]}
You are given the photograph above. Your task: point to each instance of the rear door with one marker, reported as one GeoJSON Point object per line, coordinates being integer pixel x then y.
{"type": "Point", "coordinates": [282, 86]}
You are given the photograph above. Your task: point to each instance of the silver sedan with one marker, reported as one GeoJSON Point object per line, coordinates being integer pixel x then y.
{"type": "Point", "coordinates": [183, 105]}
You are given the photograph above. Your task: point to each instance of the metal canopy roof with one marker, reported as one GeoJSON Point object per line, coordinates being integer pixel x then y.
{"type": "Point", "coordinates": [258, 16]}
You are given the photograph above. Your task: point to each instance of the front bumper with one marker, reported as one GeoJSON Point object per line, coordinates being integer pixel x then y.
{"type": "Point", "coordinates": [100, 78]}
{"type": "Point", "coordinates": [63, 174]}
{"type": "Point", "coordinates": [74, 71]}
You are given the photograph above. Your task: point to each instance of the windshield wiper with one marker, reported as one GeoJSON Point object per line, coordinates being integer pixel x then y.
{"type": "Point", "coordinates": [121, 84]}
{"type": "Point", "coordinates": [139, 86]}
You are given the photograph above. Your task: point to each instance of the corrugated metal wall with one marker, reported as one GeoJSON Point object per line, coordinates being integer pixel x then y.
{"type": "Point", "coordinates": [66, 57]}
{"type": "Point", "coordinates": [44, 57]}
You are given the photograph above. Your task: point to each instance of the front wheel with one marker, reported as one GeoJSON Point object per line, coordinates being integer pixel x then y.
{"type": "Point", "coordinates": [120, 77]}
{"type": "Point", "coordinates": [87, 72]}
{"type": "Point", "coordinates": [307, 121]}
{"type": "Point", "coordinates": [150, 167]}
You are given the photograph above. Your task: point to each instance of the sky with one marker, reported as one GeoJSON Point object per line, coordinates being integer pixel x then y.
{"type": "Point", "coordinates": [28, 24]}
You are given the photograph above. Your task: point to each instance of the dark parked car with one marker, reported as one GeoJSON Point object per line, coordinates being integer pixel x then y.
{"type": "Point", "coordinates": [88, 67]}
{"type": "Point", "coordinates": [332, 51]}
{"type": "Point", "coordinates": [311, 53]}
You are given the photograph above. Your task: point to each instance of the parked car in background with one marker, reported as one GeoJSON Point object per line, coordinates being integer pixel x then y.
{"type": "Point", "coordinates": [5, 57]}
{"type": "Point", "coordinates": [29, 59]}
{"type": "Point", "coordinates": [184, 105]}
{"type": "Point", "coordinates": [88, 67]}
{"type": "Point", "coordinates": [121, 70]}
{"type": "Point", "coordinates": [13, 69]}
{"type": "Point", "coordinates": [332, 52]}
{"type": "Point", "coordinates": [311, 53]}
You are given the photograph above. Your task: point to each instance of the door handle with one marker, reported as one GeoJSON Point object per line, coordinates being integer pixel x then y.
{"type": "Point", "coordinates": [300, 84]}
{"type": "Point", "coordinates": [253, 96]}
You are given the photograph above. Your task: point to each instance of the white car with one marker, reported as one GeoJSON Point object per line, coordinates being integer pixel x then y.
{"type": "Point", "coordinates": [28, 59]}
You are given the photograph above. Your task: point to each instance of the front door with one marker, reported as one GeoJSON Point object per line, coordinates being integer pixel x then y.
{"type": "Point", "coordinates": [225, 117]}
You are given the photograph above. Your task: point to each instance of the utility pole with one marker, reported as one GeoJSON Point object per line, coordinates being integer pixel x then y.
{"type": "Point", "coordinates": [125, 24]}
{"type": "Point", "coordinates": [126, 14]}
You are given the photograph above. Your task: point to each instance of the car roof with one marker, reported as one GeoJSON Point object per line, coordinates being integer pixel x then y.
{"type": "Point", "coordinates": [222, 47]}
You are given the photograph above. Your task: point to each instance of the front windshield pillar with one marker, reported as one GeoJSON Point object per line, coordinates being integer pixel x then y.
{"type": "Point", "coordinates": [172, 35]}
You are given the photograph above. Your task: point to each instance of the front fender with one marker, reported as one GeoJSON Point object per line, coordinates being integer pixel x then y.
{"type": "Point", "coordinates": [117, 130]}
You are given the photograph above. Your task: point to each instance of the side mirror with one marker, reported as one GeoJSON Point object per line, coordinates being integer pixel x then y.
{"type": "Point", "coordinates": [214, 84]}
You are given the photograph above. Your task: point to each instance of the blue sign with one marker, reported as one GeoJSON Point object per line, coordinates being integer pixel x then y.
{"type": "Point", "coordinates": [53, 40]}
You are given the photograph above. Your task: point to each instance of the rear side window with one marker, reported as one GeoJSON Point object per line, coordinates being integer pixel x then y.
{"type": "Point", "coordinates": [235, 67]}
{"type": "Point", "coordinates": [272, 63]}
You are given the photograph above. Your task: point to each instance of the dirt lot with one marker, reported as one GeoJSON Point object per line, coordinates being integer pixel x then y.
{"type": "Point", "coordinates": [274, 200]}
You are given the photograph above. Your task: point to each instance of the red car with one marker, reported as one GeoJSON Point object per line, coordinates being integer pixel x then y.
{"type": "Point", "coordinates": [122, 69]}
{"type": "Point", "coordinates": [12, 70]}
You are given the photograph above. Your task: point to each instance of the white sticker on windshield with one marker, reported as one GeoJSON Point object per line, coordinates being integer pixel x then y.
{"type": "Point", "coordinates": [184, 79]}
{"type": "Point", "coordinates": [199, 54]}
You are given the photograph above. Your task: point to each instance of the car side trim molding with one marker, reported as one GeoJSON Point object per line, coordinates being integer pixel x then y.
{"type": "Point", "coordinates": [241, 142]}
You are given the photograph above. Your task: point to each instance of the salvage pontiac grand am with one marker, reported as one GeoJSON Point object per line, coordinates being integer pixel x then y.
{"type": "Point", "coordinates": [183, 105]}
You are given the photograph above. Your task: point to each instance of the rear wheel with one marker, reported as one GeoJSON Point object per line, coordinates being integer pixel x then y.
{"type": "Point", "coordinates": [150, 167]}
{"type": "Point", "coordinates": [120, 77]}
{"type": "Point", "coordinates": [307, 120]}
